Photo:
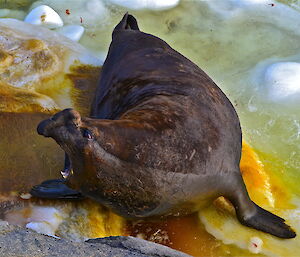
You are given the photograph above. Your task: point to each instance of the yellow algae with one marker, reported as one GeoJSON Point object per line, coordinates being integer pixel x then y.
{"type": "Point", "coordinates": [73, 89]}
{"type": "Point", "coordinates": [5, 60]}
{"type": "Point", "coordinates": [34, 45]}
{"type": "Point", "coordinates": [89, 219]}
{"type": "Point", "coordinates": [115, 224]}
{"type": "Point", "coordinates": [104, 223]}
{"type": "Point", "coordinates": [281, 189]}
{"type": "Point", "coordinates": [20, 100]}
{"type": "Point", "coordinates": [42, 68]}
{"type": "Point", "coordinates": [84, 80]}
{"type": "Point", "coordinates": [220, 220]}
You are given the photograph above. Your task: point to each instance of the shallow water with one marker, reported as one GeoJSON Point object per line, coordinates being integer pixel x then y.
{"type": "Point", "coordinates": [233, 41]}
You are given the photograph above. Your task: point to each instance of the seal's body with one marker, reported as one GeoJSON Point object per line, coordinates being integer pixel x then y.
{"type": "Point", "coordinates": [162, 139]}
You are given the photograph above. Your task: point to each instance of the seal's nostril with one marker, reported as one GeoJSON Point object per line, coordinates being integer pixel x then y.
{"type": "Point", "coordinates": [41, 129]}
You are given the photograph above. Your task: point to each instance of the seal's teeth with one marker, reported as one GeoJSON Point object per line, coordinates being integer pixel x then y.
{"type": "Point", "coordinates": [66, 173]}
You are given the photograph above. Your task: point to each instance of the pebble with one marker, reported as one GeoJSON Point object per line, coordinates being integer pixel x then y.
{"type": "Point", "coordinates": [255, 245]}
{"type": "Point", "coordinates": [25, 196]}
{"type": "Point", "coordinates": [45, 16]}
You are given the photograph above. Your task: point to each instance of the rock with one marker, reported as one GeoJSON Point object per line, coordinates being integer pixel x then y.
{"type": "Point", "coordinates": [73, 32]}
{"type": "Point", "coordinates": [15, 241]}
{"type": "Point", "coordinates": [137, 246]}
{"type": "Point", "coordinates": [41, 70]}
{"type": "Point", "coordinates": [74, 220]}
{"type": "Point", "coordinates": [146, 4]}
{"type": "Point", "coordinates": [45, 16]}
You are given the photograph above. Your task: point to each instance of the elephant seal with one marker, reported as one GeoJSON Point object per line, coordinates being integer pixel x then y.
{"type": "Point", "coordinates": [162, 138]}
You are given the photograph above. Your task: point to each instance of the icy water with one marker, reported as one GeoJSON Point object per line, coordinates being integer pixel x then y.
{"type": "Point", "coordinates": [236, 43]}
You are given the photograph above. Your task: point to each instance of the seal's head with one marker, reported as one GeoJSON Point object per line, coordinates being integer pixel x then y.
{"type": "Point", "coordinates": [66, 128]}
{"type": "Point", "coordinates": [74, 135]}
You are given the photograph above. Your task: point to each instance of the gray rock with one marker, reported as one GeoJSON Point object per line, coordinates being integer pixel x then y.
{"type": "Point", "coordinates": [17, 241]}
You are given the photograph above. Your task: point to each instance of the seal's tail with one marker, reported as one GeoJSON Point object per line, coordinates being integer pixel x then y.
{"type": "Point", "coordinates": [251, 215]}
{"type": "Point", "coordinates": [128, 22]}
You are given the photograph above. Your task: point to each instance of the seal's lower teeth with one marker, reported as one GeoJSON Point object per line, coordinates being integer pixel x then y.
{"type": "Point", "coordinates": [66, 173]}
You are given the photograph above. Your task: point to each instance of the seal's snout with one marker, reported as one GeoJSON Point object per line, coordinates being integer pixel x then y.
{"type": "Point", "coordinates": [67, 117]}
{"type": "Point", "coordinates": [42, 127]}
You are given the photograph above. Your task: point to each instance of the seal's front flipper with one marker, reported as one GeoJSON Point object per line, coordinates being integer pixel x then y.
{"type": "Point", "coordinates": [268, 222]}
{"type": "Point", "coordinates": [55, 189]}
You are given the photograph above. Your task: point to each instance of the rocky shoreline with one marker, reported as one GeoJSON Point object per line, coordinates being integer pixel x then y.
{"type": "Point", "coordinates": [17, 241]}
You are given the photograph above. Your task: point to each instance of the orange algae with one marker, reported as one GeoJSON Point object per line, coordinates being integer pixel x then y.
{"type": "Point", "coordinates": [185, 234]}
{"type": "Point", "coordinates": [256, 179]}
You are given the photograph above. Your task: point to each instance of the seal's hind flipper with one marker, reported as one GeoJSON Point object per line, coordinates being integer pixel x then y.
{"type": "Point", "coordinates": [251, 215]}
{"type": "Point", "coordinates": [269, 223]}
{"type": "Point", "coordinates": [55, 189]}
{"type": "Point", "coordinates": [128, 22]}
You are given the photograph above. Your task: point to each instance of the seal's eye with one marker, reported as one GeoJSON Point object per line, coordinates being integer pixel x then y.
{"type": "Point", "coordinates": [86, 133]}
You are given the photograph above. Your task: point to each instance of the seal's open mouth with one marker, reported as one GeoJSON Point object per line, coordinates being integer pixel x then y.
{"type": "Point", "coordinates": [64, 128]}
{"type": "Point", "coordinates": [68, 168]}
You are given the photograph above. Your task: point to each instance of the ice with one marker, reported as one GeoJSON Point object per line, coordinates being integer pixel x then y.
{"type": "Point", "coordinates": [282, 81]}
{"type": "Point", "coordinates": [73, 32]}
{"type": "Point", "coordinates": [146, 4]}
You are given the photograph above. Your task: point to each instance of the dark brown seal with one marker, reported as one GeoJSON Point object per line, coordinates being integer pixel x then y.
{"type": "Point", "coordinates": [162, 139]}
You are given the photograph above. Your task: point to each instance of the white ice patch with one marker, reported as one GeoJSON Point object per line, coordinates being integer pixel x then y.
{"type": "Point", "coordinates": [146, 4]}
{"type": "Point", "coordinates": [77, 51]}
{"type": "Point", "coordinates": [73, 32]}
{"type": "Point", "coordinates": [42, 228]}
{"type": "Point", "coordinates": [231, 8]}
{"type": "Point", "coordinates": [17, 14]}
{"type": "Point", "coordinates": [266, 11]}
{"type": "Point", "coordinates": [49, 214]}
{"type": "Point", "coordinates": [45, 16]}
{"type": "Point", "coordinates": [45, 220]}
{"type": "Point", "coordinates": [278, 80]}
{"type": "Point", "coordinates": [282, 81]}
{"type": "Point", "coordinates": [91, 13]}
